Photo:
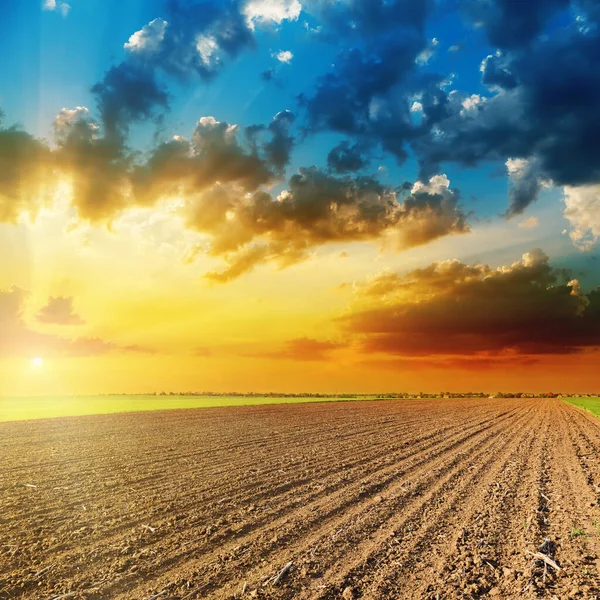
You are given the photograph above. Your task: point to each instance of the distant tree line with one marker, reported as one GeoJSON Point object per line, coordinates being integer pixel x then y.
{"type": "Point", "coordinates": [387, 395]}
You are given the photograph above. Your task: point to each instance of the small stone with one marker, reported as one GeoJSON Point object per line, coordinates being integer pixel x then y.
{"type": "Point", "coordinates": [494, 592]}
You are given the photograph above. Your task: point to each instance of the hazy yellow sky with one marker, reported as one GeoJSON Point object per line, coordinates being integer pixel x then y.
{"type": "Point", "coordinates": [165, 326]}
{"type": "Point", "coordinates": [290, 195]}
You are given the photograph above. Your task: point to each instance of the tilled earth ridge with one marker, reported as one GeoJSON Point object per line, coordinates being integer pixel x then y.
{"type": "Point", "coordinates": [380, 500]}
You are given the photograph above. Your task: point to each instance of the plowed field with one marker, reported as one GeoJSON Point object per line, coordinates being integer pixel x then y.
{"type": "Point", "coordinates": [391, 499]}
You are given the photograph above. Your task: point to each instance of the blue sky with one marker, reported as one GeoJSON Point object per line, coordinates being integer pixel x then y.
{"type": "Point", "coordinates": [58, 51]}
{"type": "Point", "coordinates": [56, 58]}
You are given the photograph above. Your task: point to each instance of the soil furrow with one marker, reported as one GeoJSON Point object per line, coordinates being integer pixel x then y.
{"type": "Point", "coordinates": [382, 500]}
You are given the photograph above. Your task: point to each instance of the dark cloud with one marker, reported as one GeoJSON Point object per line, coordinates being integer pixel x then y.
{"type": "Point", "coordinates": [496, 74]}
{"type": "Point", "coordinates": [543, 109]}
{"type": "Point", "coordinates": [277, 150]}
{"type": "Point", "coordinates": [59, 311]}
{"type": "Point", "coordinates": [318, 208]}
{"type": "Point", "coordinates": [454, 363]}
{"type": "Point", "coordinates": [196, 38]}
{"type": "Point", "coordinates": [192, 39]}
{"type": "Point", "coordinates": [97, 166]}
{"type": "Point", "coordinates": [107, 178]}
{"type": "Point", "coordinates": [347, 158]}
{"type": "Point", "coordinates": [213, 154]}
{"type": "Point", "coordinates": [538, 116]}
{"type": "Point", "coordinates": [543, 89]}
{"type": "Point", "coordinates": [367, 94]}
{"type": "Point", "coordinates": [369, 91]}
{"type": "Point", "coordinates": [242, 261]}
{"type": "Point", "coordinates": [129, 93]}
{"type": "Point", "coordinates": [220, 177]}
{"type": "Point", "coordinates": [512, 25]}
{"type": "Point", "coordinates": [451, 308]}
{"type": "Point", "coordinates": [18, 339]}
{"type": "Point", "coordinates": [527, 182]}
{"type": "Point", "coordinates": [591, 12]}
{"type": "Point", "coordinates": [367, 19]}
{"type": "Point", "coordinates": [26, 173]}
{"type": "Point", "coordinates": [560, 92]}
{"type": "Point", "coordinates": [543, 84]}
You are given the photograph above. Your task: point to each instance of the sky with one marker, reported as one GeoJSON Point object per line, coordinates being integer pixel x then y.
{"type": "Point", "coordinates": [299, 196]}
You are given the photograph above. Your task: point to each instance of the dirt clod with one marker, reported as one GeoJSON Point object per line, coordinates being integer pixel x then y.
{"type": "Point", "coordinates": [348, 594]}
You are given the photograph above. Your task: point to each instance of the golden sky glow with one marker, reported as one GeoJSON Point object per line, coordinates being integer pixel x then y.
{"type": "Point", "coordinates": [173, 329]}
{"type": "Point", "coordinates": [299, 196]}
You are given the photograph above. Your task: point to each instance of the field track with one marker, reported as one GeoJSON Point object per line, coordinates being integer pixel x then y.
{"type": "Point", "coordinates": [389, 499]}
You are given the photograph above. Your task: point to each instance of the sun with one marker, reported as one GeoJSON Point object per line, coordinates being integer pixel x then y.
{"type": "Point", "coordinates": [36, 362]}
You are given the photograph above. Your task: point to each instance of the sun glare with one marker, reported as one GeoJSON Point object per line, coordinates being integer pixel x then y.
{"type": "Point", "coordinates": [36, 362]}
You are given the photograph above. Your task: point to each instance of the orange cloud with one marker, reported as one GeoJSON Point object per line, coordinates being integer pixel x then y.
{"type": "Point", "coordinates": [302, 349]}
{"type": "Point", "coordinates": [317, 209]}
{"type": "Point", "coordinates": [59, 311]}
{"type": "Point", "coordinates": [451, 308]}
{"type": "Point", "coordinates": [461, 363]}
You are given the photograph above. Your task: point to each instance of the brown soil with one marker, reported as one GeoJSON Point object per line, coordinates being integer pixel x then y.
{"type": "Point", "coordinates": [394, 499]}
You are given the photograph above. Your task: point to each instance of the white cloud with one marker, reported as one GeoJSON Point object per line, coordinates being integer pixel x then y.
{"type": "Point", "coordinates": [526, 183]}
{"type": "Point", "coordinates": [530, 223]}
{"type": "Point", "coordinates": [426, 55]}
{"type": "Point", "coordinates": [529, 259]}
{"type": "Point", "coordinates": [517, 167]}
{"type": "Point", "coordinates": [520, 169]}
{"type": "Point", "coordinates": [447, 82]}
{"type": "Point", "coordinates": [208, 49]}
{"type": "Point", "coordinates": [148, 38]}
{"type": "Point", "coordinates": [284, 56]}
{"type": "Point", "coordinates": [62, 7]}
{"type": "Point", "coordinates": [438, 184]}
{"type": "Point", "coordinates": [582, 209]}
{"type": "Point", "coordinates": [471, 104]}
{"type": "Point", "coordinates": [271, 11]}
{"type": "Point", "coordinates": [67, 116]}
{"type": "Point", "coordinates": [416, 107]}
